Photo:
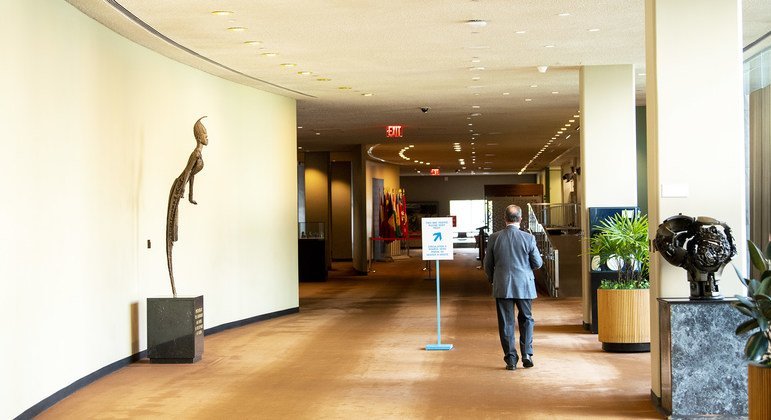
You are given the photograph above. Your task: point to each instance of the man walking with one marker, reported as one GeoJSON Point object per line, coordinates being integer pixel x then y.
{"type": "Point", "coordinates": [510, 259]}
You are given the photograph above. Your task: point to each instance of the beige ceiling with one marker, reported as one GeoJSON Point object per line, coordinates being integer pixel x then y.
{"type": "Point", "coordinates": [481, 84]}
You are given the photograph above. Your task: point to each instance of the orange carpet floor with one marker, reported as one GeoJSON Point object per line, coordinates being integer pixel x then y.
{"type": "Point", "coordinates": [356, 351]}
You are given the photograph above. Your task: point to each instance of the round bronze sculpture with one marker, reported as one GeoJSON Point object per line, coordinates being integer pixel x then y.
{"type": "Point", "coordinates": [702, 246]}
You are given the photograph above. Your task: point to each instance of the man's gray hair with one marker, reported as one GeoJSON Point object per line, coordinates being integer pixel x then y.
{"type": "Point", "coordinates": [513, 214]}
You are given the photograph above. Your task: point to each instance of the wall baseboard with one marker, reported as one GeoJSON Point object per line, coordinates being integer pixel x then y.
{"type": "Point", "coordinates": [115, 366]}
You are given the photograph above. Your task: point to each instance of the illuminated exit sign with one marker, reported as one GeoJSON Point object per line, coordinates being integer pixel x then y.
{"type": "Point", "coordinates": [393, 131]}
{"type": "Point", "coordinates": [435, 171]}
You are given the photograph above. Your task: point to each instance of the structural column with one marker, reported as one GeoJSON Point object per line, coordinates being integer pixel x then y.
{"type": "Point", "coordinates": [696, 152]}
{"type": "Point", "coordinates": [359, 194]}
{"type": "Point", "coordinates": [608, 150]}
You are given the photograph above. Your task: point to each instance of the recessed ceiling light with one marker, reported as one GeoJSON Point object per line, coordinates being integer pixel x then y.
{"type": "Point", "coordinates": [476, 60]}
{"type": "Point", "coordinates": [563, 14]}
{"type": "Point", "coordinates": [520, 32]}
{"type": "Point", "coordinates": [475, 78]}
{"type": "Point", "coordinates": [506, 93]}
{"type": "Point", "coordinates": [222, 13]}
{"type": "Point", "coordinates": [304, 73]}
{"type": "Point", "coordinates": [269, 54]}
{"type": "Point", "coordinates": [477, 23]}
{"type": "Point", "coordinates": [300, 147]}
{"type": "Point", "coordinates": [288, 65]}
{"type": "Point", "coordinates": [478, 68]}
{"type": "Point", "coordinates": [594, 30]}
{"type": "Point", "coordinates": [533, 86]}
{"type": "Point", "coordinates": [412, 145]}
{"type": "Point", "coordinates": [571, 120]}
{"type": "Point", "coordinates": [475, 106]}
{"type": "Point", "coordinates": [528, 99]}
{"type": "Point", "coordinates": [318, 134]}
{"type": "Point", "coordinates": [554, 92]}
{"type": "Point", "coordinates": [252, 42]}
{"type": "Point", "coordinates": [367, 94]}
{"type": "Point", "coordinates": [236, 29]}
{"type": "Point", "coordinates": [548, 46]}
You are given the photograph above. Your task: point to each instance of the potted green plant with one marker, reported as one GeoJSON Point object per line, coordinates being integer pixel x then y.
{"type": "Point", "coordinates": [623, 303]}
{"type": "Point", "coordinates": [757, 306]}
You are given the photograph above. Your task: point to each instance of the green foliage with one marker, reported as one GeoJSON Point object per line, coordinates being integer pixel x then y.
{"type": "Point", "coordinates": [757, 306]}
{"type": "Point", "coordinates": [625, 239]}
{"type": "Point", "coordinates": [625, 285]}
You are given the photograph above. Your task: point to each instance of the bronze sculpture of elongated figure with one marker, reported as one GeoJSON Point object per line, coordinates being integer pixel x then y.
{"type": "Point", "coordinates": [194, 165]}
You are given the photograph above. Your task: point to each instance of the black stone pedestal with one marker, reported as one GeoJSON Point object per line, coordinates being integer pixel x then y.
{"type": "Point", "coordinates": [703, 373]}
{"type": "Point", "coordinates": [312, 264]}
{"type": "Point", "coordinates": [175, 329]}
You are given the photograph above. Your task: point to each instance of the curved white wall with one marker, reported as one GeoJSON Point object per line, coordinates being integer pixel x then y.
{"type": "Point", "coordinates": [95, 129]}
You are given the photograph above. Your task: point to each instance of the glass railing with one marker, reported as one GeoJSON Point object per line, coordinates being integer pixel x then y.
{"type": "Point", "coordinates": [549, 253]}
{"type": "Point", "coordinates": [557, 215]}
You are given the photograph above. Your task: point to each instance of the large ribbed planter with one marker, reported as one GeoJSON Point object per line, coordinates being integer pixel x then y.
{"type": "Point", "coordinates": [759, 396]}
{"type": "Point", "coordinates": [623, 320]}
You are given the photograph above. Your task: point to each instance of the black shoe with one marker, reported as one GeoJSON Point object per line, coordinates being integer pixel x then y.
{"type": "Point", "coordinates": [527, 361]}
{"type": "Point", "coordinates": [511, 367]}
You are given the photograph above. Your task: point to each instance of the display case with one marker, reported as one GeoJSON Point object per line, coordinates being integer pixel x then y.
{"type": "Point", "coordinates": [311, 251]}
{"type": "Point", "coordinates": [310, 230]}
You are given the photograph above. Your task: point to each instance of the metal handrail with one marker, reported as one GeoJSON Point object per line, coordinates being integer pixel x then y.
{"type": "Point", "coordinates": [557, 215]}
{"type": "Point", "coordinates": [548, 251]}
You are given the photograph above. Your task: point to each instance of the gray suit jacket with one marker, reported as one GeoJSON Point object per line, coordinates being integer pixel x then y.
{"type": "Point", "coordinates": [510, 259]}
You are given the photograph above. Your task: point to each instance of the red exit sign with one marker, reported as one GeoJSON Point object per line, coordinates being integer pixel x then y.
{"type": "Point", "coordinates": [435, 171]}
{"type": "Point", "coordinates": [393, 131]}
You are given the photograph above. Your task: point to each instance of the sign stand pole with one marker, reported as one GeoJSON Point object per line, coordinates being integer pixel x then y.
{"type": "Point", "coordinates": [438, 345]}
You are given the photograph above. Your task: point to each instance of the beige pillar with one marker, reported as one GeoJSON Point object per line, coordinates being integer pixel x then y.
{"type": "Point", "coordinates": [608, 150]}
{"type": "Point", "coordinates": [696, 162]}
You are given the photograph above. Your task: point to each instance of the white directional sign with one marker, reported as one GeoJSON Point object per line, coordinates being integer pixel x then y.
{"type": "Point", "coordinates": [437, 238]}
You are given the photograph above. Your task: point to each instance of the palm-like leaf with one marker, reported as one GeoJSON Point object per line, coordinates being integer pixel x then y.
{"type": "Point", "coordinates": [757, 306]}
{"type": "Point", "coordinates": [757, 346]}
{"type": "Point", "coordinates": [747, 326]}
{"type": "Point", "coordinates": [627, 239]}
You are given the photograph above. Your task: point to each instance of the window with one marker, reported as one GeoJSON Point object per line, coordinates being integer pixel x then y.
{"type": "Point", "coordinates": [470, 214]}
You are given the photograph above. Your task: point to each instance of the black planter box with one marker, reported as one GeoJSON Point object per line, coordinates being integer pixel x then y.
{"type": "Point", "coordinates": [175, 329]}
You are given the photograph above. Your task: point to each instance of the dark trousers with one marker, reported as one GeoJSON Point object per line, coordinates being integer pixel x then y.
{"type": "Point", "coordinates": [505, 308]}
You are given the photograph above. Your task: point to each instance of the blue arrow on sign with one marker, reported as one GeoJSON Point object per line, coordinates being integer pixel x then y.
{"type": "Point", "coordinates": [437, 236]}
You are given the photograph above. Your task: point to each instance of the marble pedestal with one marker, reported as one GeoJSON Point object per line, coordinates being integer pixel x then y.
{"type": "Point", "coordinates": [703, 372]}
{"type": "Point", "coordinates": [175, 329]}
